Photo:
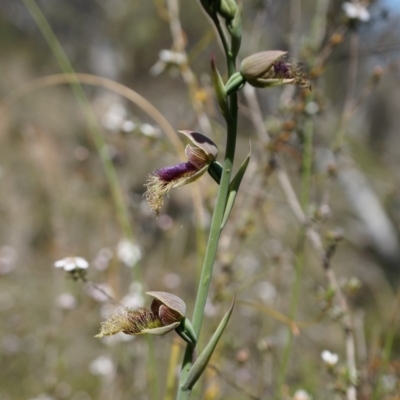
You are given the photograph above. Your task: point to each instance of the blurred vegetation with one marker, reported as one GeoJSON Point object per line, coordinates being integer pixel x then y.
{"type": "Point", "coordinates": [56, 202]}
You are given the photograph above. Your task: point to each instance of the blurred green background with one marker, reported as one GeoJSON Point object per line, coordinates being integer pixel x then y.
{"type": "Point", "coordinates": [56, 202]}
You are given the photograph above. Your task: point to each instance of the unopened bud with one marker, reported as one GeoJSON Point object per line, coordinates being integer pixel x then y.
{"type": "Point", "coordinates": [269, 68]}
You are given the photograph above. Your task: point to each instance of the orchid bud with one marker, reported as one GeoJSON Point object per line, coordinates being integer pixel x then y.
{"type": "Point", "coordinates": [269, 68]}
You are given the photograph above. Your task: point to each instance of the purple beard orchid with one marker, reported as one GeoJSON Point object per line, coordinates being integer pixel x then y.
{"type": "Point", "coordinates": [161, 181]}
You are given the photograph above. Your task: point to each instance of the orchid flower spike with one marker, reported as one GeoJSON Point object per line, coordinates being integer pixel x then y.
{"type": "Point", "coordinates": [161, 181]}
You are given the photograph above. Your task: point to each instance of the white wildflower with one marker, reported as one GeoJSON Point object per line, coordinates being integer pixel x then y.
{"type": "Point", "coordinates": [102, 365]}
{"type": "Point", "coordinates": [301, 395]}
{"type": "Point", "coordinates": [210, 310]}
{"type": "Point", "coordinates": [8, 257]}
{"type": "Point", "coordinates": [172, 57]}
{"type": "Point", "coordinates": [266, 291]}
{"type": "Point", "coordinates": [329, 358]}
{"type": "Point", "coordinates": [114, 117]}
{"type": "Point", "coordinates": [171, 280]}
{"type": "Point", "coordinates": [312, 108]}
{"type": "Point", "coordinates": [42, 396]}
{"type": "Point", "coordinates": [128, 126]}
{"type": "Point", "coordinates": [128, 252]}
{"type": "Point", "coordinates": [149, 130]}
{"type": "Point", "coordinates": [133, 300]}
{"type": "Point", "coordinates": [66, 301]}
{"type": "Point", "coordinates": [72, 263]}
{"type": "Point", "coordinates": [166, 58]}
{"type": "Point", "coordinates": [356, 11]}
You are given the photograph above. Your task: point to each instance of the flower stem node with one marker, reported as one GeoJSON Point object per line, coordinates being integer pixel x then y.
{"type": "Point", "coordinates": [235, 83]}
{"type": "Point", "coordinates": [161, 181]}
{"type": "Point", "coordinates": [166, 314]}
{"type": "Point", "coordinates": [270, 68]}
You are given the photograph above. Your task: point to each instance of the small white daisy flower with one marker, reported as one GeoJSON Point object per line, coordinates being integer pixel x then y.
{"type": "Point", "coordinates": [128, 252]}
{"type": "Point", "coordinates": [301, 395]}
{"type": "Point", "coordinates": [114, 117]}
{"type": "Point", "coordinates": [329, 358]}
{"type": "Point", "coordinates": [69, 264]}
{"type": "Point", "coordinates": [356, 11]}
{"type": "Point", "coordinates": [66, 301]}
{"type": "Point", "coordinates": [149, 130]}
{"type": "Point", "coordinates": [102, 365]}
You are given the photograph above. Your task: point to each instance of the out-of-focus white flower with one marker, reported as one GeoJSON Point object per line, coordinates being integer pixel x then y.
{"type": "Point", "coordinates": [356, 10]}
{"type": "Point", "coordinates": [266, 291]}
{"type": "Point", "coordinates": [8, 256]}
{"type": "Point", "coordinates": [42, 396]}
{"type": "Point", "coordinates": [72, 263]}
{"type": "Point", "coordinates": [312, 108]}
{"type": "Point", "coordinates": [66, 301]}
{"type": "Point", "coordinates": [165, 58]}
{"type": "Point", "coordinates": [114, 117]}
{"type": "Point", "coordinates": [388, 383]}
{"type": "Point", "coordinates": [149, 130]}
{"type": "Point", "coordinates": [172, 57]}
{"type": "Point", "coordinates": [165, 222]}
{"type": "Point", "coordinates": [210, 310]}
{"type": "Point", "coordinates": [301, 395]}
{"type": "Point", "coordinates": [102, 365]}
{"type": "Point", "coordinates": [171, 280]}
{"type": "Point", "coordinates": [128, 126]}
{"type": "Point", "coordinates": [329, 358]}
{"type": "Point", "coordinates": [128, 252]}
{"type": "Point", "coordinates": [133, 300]}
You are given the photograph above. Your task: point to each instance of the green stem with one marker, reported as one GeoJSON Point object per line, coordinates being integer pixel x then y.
{"type": "Point", "coordinates": [215, 230]}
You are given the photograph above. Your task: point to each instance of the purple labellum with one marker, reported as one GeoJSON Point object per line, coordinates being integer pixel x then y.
{"type": "Point", "coordinates": [282, 69]}
{"type": "Point", "coordinates": [168, 174]}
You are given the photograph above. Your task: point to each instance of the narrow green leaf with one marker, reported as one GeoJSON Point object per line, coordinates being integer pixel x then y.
{"type": "Point", "coordinates": [201, 363]}
{"type": "Point", "coordinates": [233, 189]}
{"type": "Point", "coordinates": [219, 88]}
